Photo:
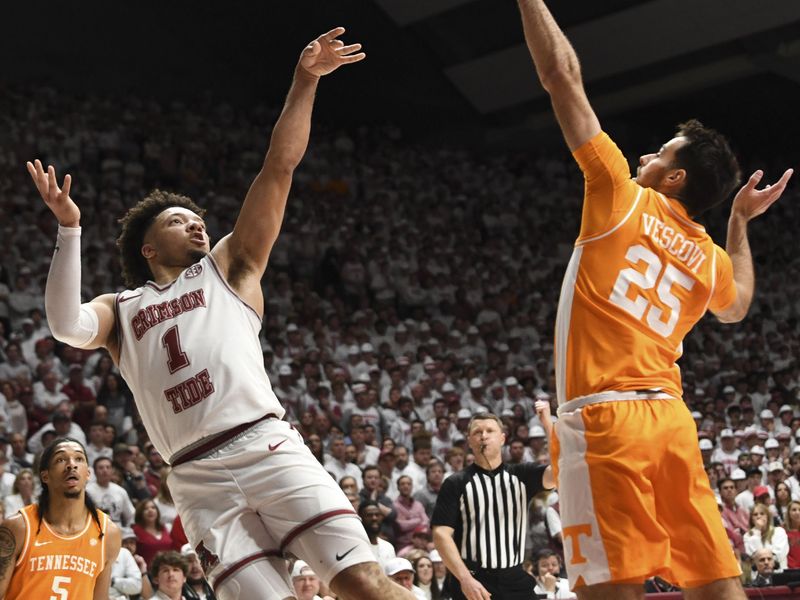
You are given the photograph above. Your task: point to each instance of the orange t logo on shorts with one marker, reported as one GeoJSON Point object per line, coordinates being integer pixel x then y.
{"type": "Point", "coordinates": [573, 532]}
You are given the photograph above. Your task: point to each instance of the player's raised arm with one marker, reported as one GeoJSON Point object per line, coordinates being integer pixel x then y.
{"type": "Point", "coordinates": [84, 326]}
{"type": "Point", "coordinates": [260, 219]}
{"type": "Point", "coordinates": [559, 72]}
{"type": "Point", "coordinates": [748, 204]}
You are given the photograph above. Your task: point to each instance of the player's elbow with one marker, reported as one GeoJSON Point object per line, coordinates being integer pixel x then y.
{"type": "Point", "coordinates": [734, 314]}
{"type": "Point", "coordinates": [560, 78]}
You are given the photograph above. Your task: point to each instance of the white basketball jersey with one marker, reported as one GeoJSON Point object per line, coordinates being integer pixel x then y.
{"type": "Point", "coordinates": [190, 353]}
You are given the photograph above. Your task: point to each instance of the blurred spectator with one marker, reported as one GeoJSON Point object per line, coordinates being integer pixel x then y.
{"type": "Point", "coordinates": [151, 535]}
{"type": "Point", "coordinates": [22, 494]}
{"type": "Point", "coordinates": [164, 501]}
{"type": "Point", "coordinates": [792, 527]}
{"type": "Point", "coordinates": [126, 573]}
{"type": "Point", "coordinates": [434, 475]}
{"type": "Point", "coordinates": [763, 534]}
{"type": "Point", "coordinates": [336, 462]}
{"type": "Point", "coordinates": [306, 583]}
{"type": "Point", "coordinates": [108, 496]}
{"type": "Point", "coordinates": [196, 586]}
{"type": "Point", "coordinates": [547, 573]}
{"type": "Point", "coordinates": [410, 513]}
{"type": "Point", "coordinates": [735, 518]}
{"type": "Point", "coordinates": [764, 562]}
{"type": "Point", "coordinates": [80, 395]}
{"type": "Point", "coordinates": [61, 425]}
{"type": "Point", "coordinates": [168, 572]}
{"type": "Point", "coordinates": [97, 446]}
{"type": "Point", "coordinates": [20, 457]}
{"type": "Point", "coordinates": [423, 577]}
{"type": "Point", "coordinates": [401, 572]}
{"type": "Point", "coordinates": [372, 518]}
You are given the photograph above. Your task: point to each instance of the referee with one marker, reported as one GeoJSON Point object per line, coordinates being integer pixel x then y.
{"type": "Point", "coordinates": [481, 517]}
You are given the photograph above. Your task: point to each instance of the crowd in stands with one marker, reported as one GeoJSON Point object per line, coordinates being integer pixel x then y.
{"type": "Point", "coordinates": [411, 287]}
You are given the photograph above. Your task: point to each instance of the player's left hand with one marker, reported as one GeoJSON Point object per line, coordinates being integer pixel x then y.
{"type": "Point", "coordinates": [327, 53]}
{"type": "Point", "coordinates": [750, 202]}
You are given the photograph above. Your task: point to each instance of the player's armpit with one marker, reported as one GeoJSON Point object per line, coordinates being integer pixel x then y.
{"type": "Point", "coordinates": [103, 307]}
{"type": "Point", "coordinates": [736, 310]}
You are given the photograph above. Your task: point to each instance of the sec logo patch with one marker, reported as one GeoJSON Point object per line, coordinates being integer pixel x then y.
{"type": "Point", "coordinates": [193, 271]}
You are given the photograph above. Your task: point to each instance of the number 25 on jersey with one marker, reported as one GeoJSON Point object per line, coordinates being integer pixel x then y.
{"type": "Point", "coordinates": [655, 274]}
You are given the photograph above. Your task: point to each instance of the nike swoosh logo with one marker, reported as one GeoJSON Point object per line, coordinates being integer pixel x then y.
{"type": "Point", "coordinates": [341, 556]}
{"type": "Point", "coordinates": [37, 544]}
{"type": "Point", "coordinates": [273, 447]}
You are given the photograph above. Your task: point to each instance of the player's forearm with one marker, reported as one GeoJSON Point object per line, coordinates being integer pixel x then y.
{"type": "Point", "coordinates": [550, 49]}
{"type": "Point", "coordinates": [738, 248]}
{"type": "Point", "coordinates": [69, 321]}
{"type": "Point", "coordinates": [293, 128]}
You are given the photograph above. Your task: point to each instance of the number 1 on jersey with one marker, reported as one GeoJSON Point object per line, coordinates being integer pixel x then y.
{"type": "Point", "coordinates": [669, 276]}
{"type": "Point", "coordinates": [176, 358]}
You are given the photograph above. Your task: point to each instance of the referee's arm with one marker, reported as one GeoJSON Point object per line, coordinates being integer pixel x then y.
{"type": "Point", "coordinates": [470, 587]}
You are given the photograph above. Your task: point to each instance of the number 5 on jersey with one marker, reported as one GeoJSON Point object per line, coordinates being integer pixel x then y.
{"type": "Point", "coordinates": [655, 272]}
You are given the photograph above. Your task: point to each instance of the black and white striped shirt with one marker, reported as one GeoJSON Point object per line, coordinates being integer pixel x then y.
{"type": "Point", "coordinates": [489, 512]}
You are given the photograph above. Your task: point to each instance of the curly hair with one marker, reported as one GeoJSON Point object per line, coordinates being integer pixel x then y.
{"type": "Point", "coordinates": [712, 171]}
{"type": "Point", "coordinates": [135, 224]}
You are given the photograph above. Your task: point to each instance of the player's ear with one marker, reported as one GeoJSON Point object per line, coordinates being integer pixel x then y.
{"type": "Point", "coordinates": [148, 251]}
{"type": "Point", "coordinates": [675, 178]}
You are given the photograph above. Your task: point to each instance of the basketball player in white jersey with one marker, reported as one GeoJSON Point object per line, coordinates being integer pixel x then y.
{"type": "Point", "coordinates": [185, 336]}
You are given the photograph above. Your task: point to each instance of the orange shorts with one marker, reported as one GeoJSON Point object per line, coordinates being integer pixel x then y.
{"type": "Point", "coordinates": [634, 498]}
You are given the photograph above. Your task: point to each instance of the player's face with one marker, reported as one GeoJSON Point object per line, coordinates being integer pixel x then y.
{"type": "Point", "coordinates": [177, 238]}
{"type": "Point", "coordinates": [68, 472]}
{"type": "Point", "coordinates": [654, 168]}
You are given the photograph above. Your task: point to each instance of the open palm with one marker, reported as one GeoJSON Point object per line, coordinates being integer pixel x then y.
{"type": "Point", "coordinates": [327, 53]}
{"type": "Point", "coordinates": [751, 202]}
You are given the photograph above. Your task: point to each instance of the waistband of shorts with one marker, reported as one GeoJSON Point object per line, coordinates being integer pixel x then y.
{"type": "Point", "coordinates": [476, 569]}
{"type": "Point", "coordinates": [208, 445]}
{"type": "Point", "coordinates": [612, 396]}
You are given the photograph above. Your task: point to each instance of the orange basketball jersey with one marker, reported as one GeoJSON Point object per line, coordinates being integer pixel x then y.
{"type": "Point", "coordinates": [641, 275]}
{"type": "Point", "coordinates": [58, 567]}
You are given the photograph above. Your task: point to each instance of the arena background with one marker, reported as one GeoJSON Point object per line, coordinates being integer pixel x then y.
{"type": "Point", "coordinates": [456, 69]}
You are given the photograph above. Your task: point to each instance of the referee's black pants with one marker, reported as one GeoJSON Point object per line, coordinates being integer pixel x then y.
{"type": "Point", "coordinates": [503, 584]}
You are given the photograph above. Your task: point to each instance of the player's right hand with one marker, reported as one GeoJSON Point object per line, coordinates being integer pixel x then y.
{"type": "Point", "coordinates": [57, 199]}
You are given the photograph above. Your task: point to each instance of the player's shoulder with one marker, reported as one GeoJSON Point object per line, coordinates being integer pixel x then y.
{"type": "Point", "coordinates": [13, 530]}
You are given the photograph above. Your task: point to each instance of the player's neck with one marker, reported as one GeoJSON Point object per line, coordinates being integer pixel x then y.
{"type": "Point", "coordinates": [67, 516]}
{"type": "Point", "coordinates": [163, 275]}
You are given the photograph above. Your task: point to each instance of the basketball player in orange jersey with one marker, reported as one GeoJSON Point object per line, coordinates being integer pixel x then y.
{"type": "Point", "coordinates": [61, 547]}
{"type": "Point", "coordinates": [635, 500]}
{"type": "Point", "coordinates": [185, 337]}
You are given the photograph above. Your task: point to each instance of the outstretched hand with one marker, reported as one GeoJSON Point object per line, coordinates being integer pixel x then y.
{"type": "Point", "coordinates": [750, 202]}
{"type": "Point", "coordinates": [57, 199]}
{"type": "Point", "coordinates": [543, 412]}
{"type": "Point", "coordinates": [327, 53]}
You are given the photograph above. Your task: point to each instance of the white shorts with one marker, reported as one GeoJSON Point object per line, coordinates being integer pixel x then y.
{"type": "Point", "coordinates": [261, 495]}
